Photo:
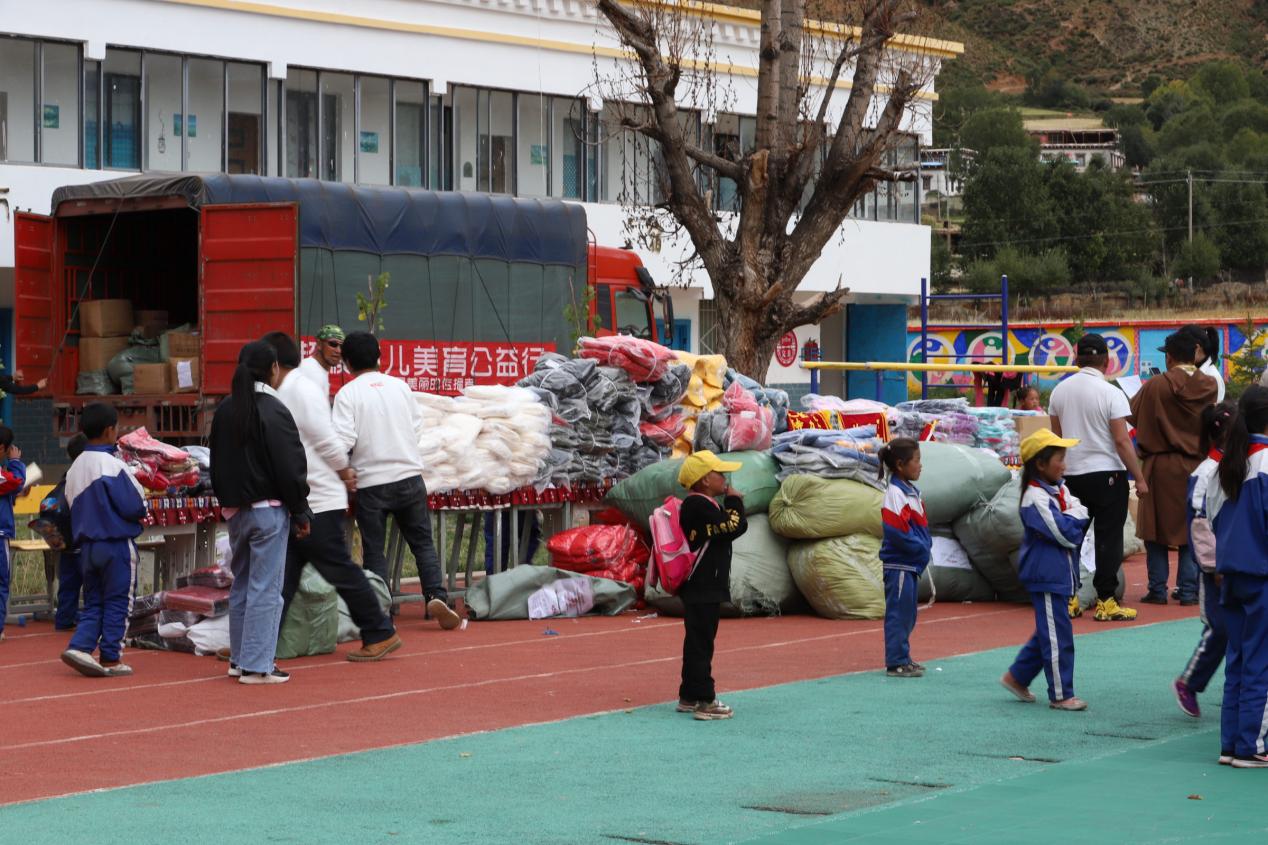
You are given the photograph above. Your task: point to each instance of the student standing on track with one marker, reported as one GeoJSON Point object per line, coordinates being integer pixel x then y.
{"type": "Point", "coordinates": [330, 477]}
{"type": "Point", "coordinates": [711, 528]}
{"type": "Point", "coordinates": [1089, 409]}
{"type": "Point", "coordinates": [106, 508]}
{"type": "Point", "coordinates": [259, 473]}
{"type": "Point", "coordinates": [905, 552]}
{"type": "Point", "coordinates": [379, 423]}
{"type": "Point", "coordinates": [12, 480]}
{"type": "Point", "coordinates": [1207, 657]}
{"type": "Point", "coordinates": [1055, 524]}
{"type": "Point", "coordinates": [1238, 509]}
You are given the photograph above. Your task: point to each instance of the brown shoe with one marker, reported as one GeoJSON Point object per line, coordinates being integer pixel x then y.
{"type": "Point", "coordinates": [444, 614]}
{"type": "Point", "coordinates": [1071, 704]}
{"type": "Point", "coordinates": [1014, 686]}
{"type": "Point", "coordinates": [710, 711]}
{"type": "Point", "coordinates": [378, 651]}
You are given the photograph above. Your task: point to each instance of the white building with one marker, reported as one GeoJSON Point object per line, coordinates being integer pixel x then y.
{"type": "Point", "coordinates": [467, 95]}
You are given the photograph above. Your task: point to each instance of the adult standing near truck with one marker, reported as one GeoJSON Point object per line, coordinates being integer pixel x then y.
{"type": "Point", "coordinates": [326, 356]}
{"type": "Point", "coordinates": [330, 477]}
{"type": "Point", "coordinates": [1087, 408]}
{"type": "Point", "coordinates": [259, 474]}
{"type": "Point", "coordinates": [12, 384]}
{"type": "Point", "coordinates": [379, 423]}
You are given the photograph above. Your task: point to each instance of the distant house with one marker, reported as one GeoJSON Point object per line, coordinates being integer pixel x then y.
{"type": "Point", "coordinates": [1080, 141]}
{"type": "Point", "coordinates": [939, 177]}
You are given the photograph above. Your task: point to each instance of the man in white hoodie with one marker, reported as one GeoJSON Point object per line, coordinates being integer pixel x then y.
{"type": "Point", "coordinates": [379, 423]}
{"type": "Point", "coordinates": [330, 477]}
{"type": "Point", "coordinates": [327, 356]}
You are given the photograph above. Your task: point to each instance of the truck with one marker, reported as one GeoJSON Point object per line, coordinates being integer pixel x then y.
{"type": "Point", "coordinates": [480, 285]}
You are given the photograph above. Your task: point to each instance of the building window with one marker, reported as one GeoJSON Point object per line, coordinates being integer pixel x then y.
{"type": "Point", "coordinates": [59, 109]}
{"type": "Point", "coordinates": [204, 123]}
{"type": "Point", "coordinates": [440, 145]}
{"type": "Point", "coordinates": [338, 107]}
{"type": "Point", "coordinates": [17, 100]}
{"type": "Point", "coordinates": [734, 136]}
{"type": "Point", "coordinates": [374, 131]}
{"type": "Point", "coordinates": [568, 154]}
{"type": "Point", "coordinates": [245, 131]}
{"type": "Point", "coordinates": [411, 134]}
{"type": "Point", "coordinates": [92, 112]}
{"type": "Point", "coordinates": [301, 124]}
{"type": "Point", "coordinates": [165, 125]}
{"type": "Point", "coordinates": [485, 141]}
{"type": "Point", "coordinates": [121, 110]}
{"type": "Point", "coordinates": [533, 153]}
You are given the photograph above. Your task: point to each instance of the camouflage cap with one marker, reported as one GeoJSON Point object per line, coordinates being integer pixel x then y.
{"type": "Point", "coordinates": [330, 331]}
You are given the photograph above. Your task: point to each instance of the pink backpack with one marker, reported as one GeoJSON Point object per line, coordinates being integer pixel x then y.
{"type": "Point", "coordinates": [672, 560]}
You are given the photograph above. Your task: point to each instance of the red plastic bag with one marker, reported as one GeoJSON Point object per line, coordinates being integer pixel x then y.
{"type": "Point", "coordinates": [665, 432]}
{"type": "Point", "coordinates": [644, 360]}
{"type": "Point", "coordinates": [749, 425]}
{"type": "Point", "coordinates": [594, 547]}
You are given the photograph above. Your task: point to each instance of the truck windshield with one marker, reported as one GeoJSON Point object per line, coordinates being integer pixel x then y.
{"type": "Point", "coordinates": [633, 315]}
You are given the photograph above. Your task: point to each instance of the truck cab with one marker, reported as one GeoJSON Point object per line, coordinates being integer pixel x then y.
{"type": "Point", "coordinates": [624, 295]}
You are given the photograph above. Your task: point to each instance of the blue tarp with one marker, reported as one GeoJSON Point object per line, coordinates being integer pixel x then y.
{"type": "Point", "coordinates": [381, 221]}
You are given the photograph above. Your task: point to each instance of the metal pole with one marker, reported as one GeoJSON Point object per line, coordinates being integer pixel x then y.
{"type": "Point", "coordinates": [880, 385]}
{"type": "Point", "coordinates": [1189, 180]}
{"type": "Point", "coordinates": [1003, 285]}
{"type": "Point", "coordinates": [924, 335]}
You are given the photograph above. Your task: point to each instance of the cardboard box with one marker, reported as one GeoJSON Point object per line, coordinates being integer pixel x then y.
{"type": "Point", "coordinates": [105, 318]}
{"type": "Point", "coordinates": [152, 323]}
{"type": "Point", "coordinates": [149, 379]}
{"type": "Point", "coordinates": [180, 345]}
{"type": "Point", "coordinates": [95, 352]}
{"type": "Point", "coordinates": [1027, 426]}
{"type": "Point", "coordinates": [182, 375]}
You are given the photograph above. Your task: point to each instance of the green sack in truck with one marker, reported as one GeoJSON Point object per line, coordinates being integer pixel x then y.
{"type": "Point", "coordinates": [840, 577]}
{"type": "Point", "coordinates": [646, 490]}
{"type": "Point", "coordinates": [808, 507]}
{"type": "Point", "coordinates": [955, 478]}
{"type": "Point", "coordinates": [312, 621]}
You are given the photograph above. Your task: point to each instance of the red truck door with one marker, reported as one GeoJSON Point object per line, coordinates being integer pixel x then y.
{"type": "Point", "coordinates": [248, 264]}
{"type": "Point", "coordinates": [33, 295]}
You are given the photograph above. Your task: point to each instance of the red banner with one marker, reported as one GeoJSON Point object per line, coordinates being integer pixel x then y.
{"type": "Point", "coordinates": [447, 366]}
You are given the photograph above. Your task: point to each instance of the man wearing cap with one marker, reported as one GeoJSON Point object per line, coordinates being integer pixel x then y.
{"type": "Point", "coordinates": [1167, 413]}
{"type": "Point", "coordinates": [709, 530]}
{"type": "Point", "coordinates": [1087, 407]}
{"type": "Point", "coordinates": [327, 356]}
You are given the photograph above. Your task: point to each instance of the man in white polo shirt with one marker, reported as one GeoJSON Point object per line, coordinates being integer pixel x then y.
{"type": "Point", "coordinates": [1087, 407]}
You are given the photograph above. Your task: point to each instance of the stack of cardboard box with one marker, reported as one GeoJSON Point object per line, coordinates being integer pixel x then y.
{"type": "Point", "coordinates": [104, 326]}
{"type": "Point", "coordinates": [107, 325]}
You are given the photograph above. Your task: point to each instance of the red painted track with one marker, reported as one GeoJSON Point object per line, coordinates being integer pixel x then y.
{"type": "Point", "coordinates": [180, 716]}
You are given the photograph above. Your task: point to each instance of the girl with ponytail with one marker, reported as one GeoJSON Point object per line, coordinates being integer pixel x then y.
{"type": "Point", "coordinates": [260, 475]}
{"type": "Point", "coordinates": [1238, 509]}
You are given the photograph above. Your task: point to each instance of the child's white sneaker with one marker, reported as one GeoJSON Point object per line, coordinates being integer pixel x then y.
{"type": "Point", "coordinates": [83, 663]}
{"type": "Point", "coordinates": [116, 669]}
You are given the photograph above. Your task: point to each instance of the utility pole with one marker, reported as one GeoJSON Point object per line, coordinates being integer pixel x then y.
{"type": "Point", "coordinates": [1189, 179]}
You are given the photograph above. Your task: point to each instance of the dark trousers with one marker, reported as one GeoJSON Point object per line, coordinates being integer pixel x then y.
{"type": "Point", "coordinates": [69, 581]}
{"type": "Point", "coordinates": [1105, 496]}
{"type": "Point", "coordinates": [1050, 649]}
{"type": "Point", "coordinates": [326, 548]}
{"type": "Point", "coordinates": [1244, 599]}
{"type": "Point", "coordinates": [406, 502]}
{"type": "Point", "coordinates": [526, 553]}
{"type": "Point", "coordinates": [700, 629]}
{"type": "Point", "coordinates": [109, 571]}
{"type": "Point", "coordinates": [1214, 642]}
{"type": "Point", "coordinates": [900, 616]}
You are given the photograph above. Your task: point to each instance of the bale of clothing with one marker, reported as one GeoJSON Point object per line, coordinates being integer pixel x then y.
{"type": "Point", "coordinates": [163, 468]}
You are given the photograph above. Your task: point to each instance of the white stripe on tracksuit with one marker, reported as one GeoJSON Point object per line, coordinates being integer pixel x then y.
{"type": "Point", "coordinates": [1055, 647]}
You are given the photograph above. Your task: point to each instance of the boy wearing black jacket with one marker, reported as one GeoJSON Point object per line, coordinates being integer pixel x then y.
{"type": "Point", "coordinates": [709, 530]}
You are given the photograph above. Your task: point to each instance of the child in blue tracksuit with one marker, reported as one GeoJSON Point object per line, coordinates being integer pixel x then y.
{"type": "Point", "coordinates": [106, 509]}
{"type": "Point", "coordinates": [12, 480]}
{"type": "Point", "coordinates": [1238, 509]}
{"type": "Point", "coordinates": [905, 552]}
{"type": "Point", "coordinates": [1055, 523]}
{"type": "Point", "coordinates": [1207, 657]}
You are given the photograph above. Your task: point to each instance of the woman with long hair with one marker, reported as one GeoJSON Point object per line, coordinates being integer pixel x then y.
{"type": "Point", "coordinates": [260, 476]}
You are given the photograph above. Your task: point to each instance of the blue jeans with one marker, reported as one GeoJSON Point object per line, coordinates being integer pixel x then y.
{"type": "Point", "coordinates": [257, 541]}
{"type": "Point", "coordinates": [900, 616]}
{"type": "Point", "coordinates": [1050, 649]}
{"type": "Point", "coordinates": [69, 581]}
{"type": "Point", "coordinates": [1158, 563]}
{"type": "Point", "coordinates": [109, 572]}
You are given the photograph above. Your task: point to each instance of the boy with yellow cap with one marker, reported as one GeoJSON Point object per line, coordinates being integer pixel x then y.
{"type": "Point", "coordinates": [709, 530]}
{"type": "Point", "coordinates": [1055, 523]}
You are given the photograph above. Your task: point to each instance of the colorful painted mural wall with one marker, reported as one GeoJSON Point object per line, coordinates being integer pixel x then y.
{"type": "Point", "coordinates": [1133, 348]}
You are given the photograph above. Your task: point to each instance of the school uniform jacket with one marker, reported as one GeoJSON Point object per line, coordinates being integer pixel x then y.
{"type": "Point", "coordinates": [905, 542]}
{"type": "Point", "coordinates": [1241, 525]}
{"type": "Point", "coordinates": [12, 480]}
{"type": "Point", "coordinates": [106, 502]}
{"type": "Point", "coordinates": [1055, 523]}
{"type": "Point", "coordinates": [1201, 537]}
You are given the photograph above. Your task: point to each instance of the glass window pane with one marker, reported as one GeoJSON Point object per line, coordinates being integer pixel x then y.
{"type": "Point", "coordinates": [465, 119]}
{"type": "Point", "coordinates": [205, 135]}
{"type": "Point", "coordinates": [59, 114]}
{"type": "Point", "coordinates": [163, 112]}
{"type": "Point", "coordinates": [274, 143]}
{"type": "Point", "coordinates": [374, 147]}
{"type": "Point", "coordinates": [338, 146]}
{"type": "Point", "coordinates": [632, 316]}
{"type": "Point", "coordinates": [92, 91]}
{"type": "Point", "coordinates": [301, 124]}
{"type": "Point", "coordinates": [121, 110]}
{"type": "Point", "coordinates": [246, 129]}
{"type": "Point", "coordinates": [726, 143]}
{"type": "Point", "coordinates": [410, 102]}
{"type": "Point", "coordinates": [497, 143]}
{"type": "Point", "coordinates": [440, 140]}
{"type": "Point", "coordinates": [568, 154]}
{"type": "Point", "coordinates": [533, 153]}
{"type": "Point", "coordinates": [17, 100]}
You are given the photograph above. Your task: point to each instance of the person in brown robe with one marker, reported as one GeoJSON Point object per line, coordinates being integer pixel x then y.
{"type": "Point", "coordinates": [1167, 413]}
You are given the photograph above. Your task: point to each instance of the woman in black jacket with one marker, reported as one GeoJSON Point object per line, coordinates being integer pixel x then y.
{"type": "Point", "coordinates": [260, 476]}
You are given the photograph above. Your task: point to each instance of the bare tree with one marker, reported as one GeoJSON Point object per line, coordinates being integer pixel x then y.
{"type": "Point", "coordinates": [811, 159]}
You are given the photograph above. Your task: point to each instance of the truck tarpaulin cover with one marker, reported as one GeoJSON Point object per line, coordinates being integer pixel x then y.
{"type": "Point", "coordinates": [382, 221]}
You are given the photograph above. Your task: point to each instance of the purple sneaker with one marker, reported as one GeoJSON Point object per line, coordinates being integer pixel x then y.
{"type": "Point", "coordinates": [1187, 699]}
